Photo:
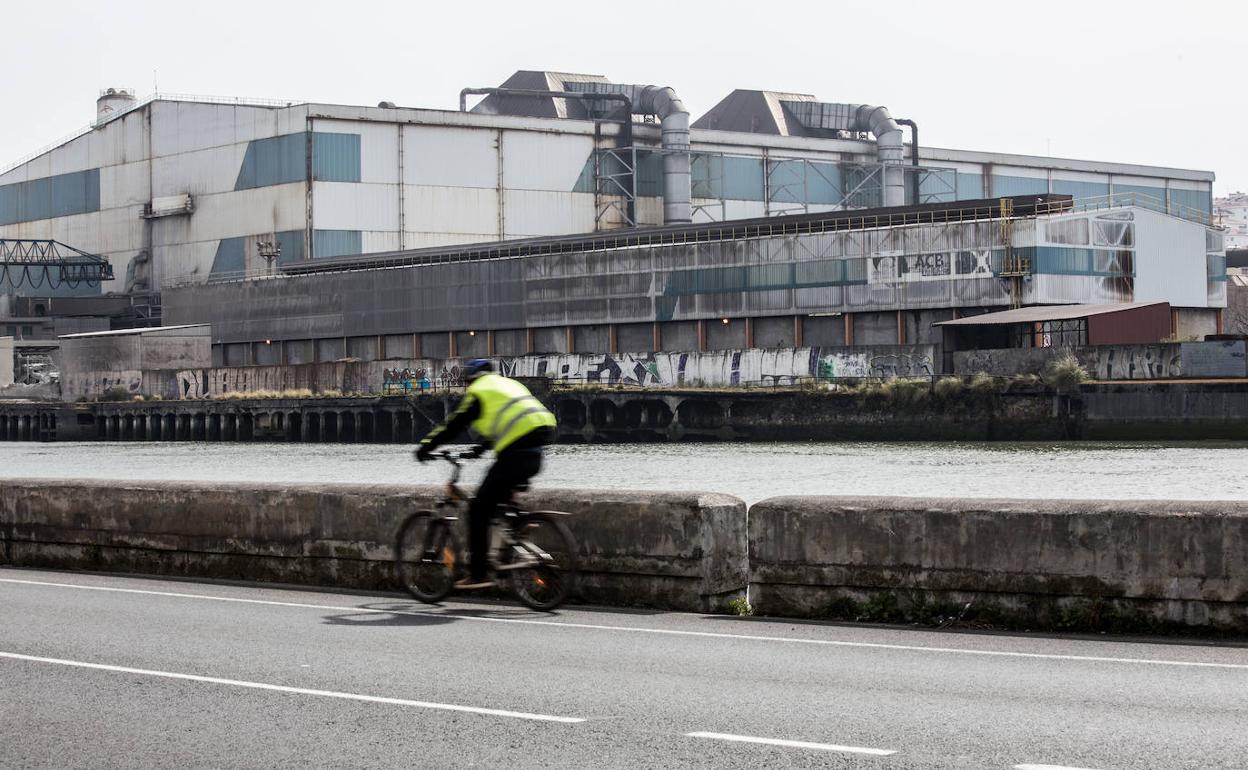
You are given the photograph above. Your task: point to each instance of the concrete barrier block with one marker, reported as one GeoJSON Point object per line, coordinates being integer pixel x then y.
{"type": "Point", "coordinates": [1038, 563]}
{"type": "Point", "coordinates": [670, 550]}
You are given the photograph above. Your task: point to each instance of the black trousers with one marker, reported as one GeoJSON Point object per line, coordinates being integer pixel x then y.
{"type": "Point", "coordinates": [512, 468]}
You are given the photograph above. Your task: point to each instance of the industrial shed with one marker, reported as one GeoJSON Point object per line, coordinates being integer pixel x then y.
{"type": "Point", "coordinates": [1125, 323]}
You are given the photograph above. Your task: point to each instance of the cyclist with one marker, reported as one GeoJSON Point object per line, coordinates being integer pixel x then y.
{"type": "Point", "coordinates": [508, 418]}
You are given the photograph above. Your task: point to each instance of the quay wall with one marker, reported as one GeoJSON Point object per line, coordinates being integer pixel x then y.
{"type": "Point", "coordinates": [681, 551]}
{"type": "Point", "coordinates": [1035, 564]}
{"type": "Point", "coordinates": [1039, 564]}
{"type": "Point", "coordinates": [897, 411]}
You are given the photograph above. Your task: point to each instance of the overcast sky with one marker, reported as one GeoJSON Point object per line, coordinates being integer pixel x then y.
{"type": "Point", "coordinates": [1138, 82]}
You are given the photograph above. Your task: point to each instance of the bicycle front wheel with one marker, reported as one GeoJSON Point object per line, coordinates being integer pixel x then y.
{"type": "Point", "coordinates": [542, 570]}
{"type": "Point", "coordinates": [426, 550]}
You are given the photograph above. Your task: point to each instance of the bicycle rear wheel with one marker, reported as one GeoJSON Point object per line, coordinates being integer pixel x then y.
{"type": "Point", "coordinates": [542, 567]}
{"type": "Point", "coordinates": [426, 550]}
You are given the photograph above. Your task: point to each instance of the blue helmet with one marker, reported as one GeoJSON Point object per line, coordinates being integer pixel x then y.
{"type": "Point", "coordinates": [477, 367]}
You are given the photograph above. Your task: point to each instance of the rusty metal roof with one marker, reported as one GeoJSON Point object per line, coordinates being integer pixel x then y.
{"type": "Point", "coordinates": [1044, 313]}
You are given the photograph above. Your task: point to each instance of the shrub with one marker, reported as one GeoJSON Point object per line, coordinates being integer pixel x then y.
{"type": "Point", "coordinates": [1065, 373]}
{"type": "Point", "coordinates": [983, 382]}
{"type": "Point", "coordinates": [902, 391]}
{"type": "Point", "coordinates": [118, 393]}
{"type": "Point", "coordinates": [948, 387]}
{"type": "Point", "coordinates": [740, 606]}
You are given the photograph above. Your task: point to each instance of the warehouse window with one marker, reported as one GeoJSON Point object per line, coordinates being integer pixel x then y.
{"type": "Point", "coordinates": [1069, 231]}
{"type": "Point", "coordinates": [53, 196]}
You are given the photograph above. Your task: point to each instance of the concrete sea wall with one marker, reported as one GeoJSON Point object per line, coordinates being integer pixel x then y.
{"type": "Point", "coordinates": [900, 411]}
{"type": "Point", "coordinates": [1032, 564]}
{"type": "Point", "coordinates": [684, 551]}
{"type": "Point", "coordinates": [1057, 564]}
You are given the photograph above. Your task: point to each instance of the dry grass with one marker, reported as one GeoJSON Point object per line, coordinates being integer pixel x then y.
{"type": "Point", "coordinates": [1065, 373]}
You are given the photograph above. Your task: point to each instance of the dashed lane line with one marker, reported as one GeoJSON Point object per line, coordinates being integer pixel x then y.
{"type": "Point", "coordinates": [655, 631]}
{"type": "Point", "coordinates": [793, 744]}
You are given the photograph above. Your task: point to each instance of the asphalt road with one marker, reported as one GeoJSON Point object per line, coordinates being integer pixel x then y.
{"type": "Point", "coordinates": [103, 671]}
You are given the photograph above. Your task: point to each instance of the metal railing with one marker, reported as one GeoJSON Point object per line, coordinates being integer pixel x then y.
{"type": "Point", "coordinates": [1138, 200]}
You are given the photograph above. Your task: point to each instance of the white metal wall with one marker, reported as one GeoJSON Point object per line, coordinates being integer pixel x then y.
{"type": "Point", "coordinates": [1169, 261]}
{"type": "Point", "coordinates": [426, 178]}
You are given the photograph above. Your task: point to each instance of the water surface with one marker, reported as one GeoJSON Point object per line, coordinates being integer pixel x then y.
{"type": "Point", "coordinates": [752, 471]}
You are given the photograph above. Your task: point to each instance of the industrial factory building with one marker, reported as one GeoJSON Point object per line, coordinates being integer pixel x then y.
{"type": "Point", "coordinates": [567, 213]}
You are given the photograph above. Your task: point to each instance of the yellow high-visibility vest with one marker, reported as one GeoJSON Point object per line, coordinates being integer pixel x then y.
{"type": "Point", "coordinates": [508, 410]}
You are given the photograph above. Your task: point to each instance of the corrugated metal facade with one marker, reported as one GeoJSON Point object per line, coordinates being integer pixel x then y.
{"type": "Point", "coordinates": [392, 179]}
{"type": "Point", "coordinates": [863, 272]}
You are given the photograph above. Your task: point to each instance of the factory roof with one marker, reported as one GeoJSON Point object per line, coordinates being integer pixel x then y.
{"type": "Point", "coordinates": [1044, 313]}
{"type": "Point", "coordinates": [184, 329]}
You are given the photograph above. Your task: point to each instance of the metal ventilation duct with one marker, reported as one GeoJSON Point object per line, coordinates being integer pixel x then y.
{"type": "Point", "coordinates": [674, 119]}
{"type": "Point", "coordinates": [862, 117]}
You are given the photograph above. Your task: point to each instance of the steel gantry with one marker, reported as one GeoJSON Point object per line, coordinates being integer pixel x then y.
{"type": "Point", "coordinates": [38, 263]}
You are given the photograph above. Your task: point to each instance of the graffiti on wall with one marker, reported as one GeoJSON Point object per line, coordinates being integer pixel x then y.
{"type": "Point", "coordinates": [876, 365]}
{"type": "Point", "coordinates": [1132, 362]}
{"type": "Point", "coordinates": [778, 366]}
{"type": "Point", "coordinates": [404, 380]}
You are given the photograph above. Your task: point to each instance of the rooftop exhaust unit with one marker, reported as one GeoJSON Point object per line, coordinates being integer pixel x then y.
{"type": "Point", "coordinates": [862, 117]}
{"type": "Point", "coordinates": [674, 120]}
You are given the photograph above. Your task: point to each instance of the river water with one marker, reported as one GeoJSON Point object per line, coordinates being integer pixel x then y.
{"type": "Point", "coordinates": [753, 471]}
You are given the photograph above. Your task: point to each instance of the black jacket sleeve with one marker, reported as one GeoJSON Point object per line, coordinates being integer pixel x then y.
{"type": "Point", "coordinates": [468, 410]}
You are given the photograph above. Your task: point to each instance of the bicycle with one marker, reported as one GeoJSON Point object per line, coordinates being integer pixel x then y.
{"type": "Point", "coordinates": [532, 552]}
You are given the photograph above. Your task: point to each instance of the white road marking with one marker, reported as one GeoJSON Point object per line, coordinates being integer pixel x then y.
{"type": "Point", "coordinates": [294, 690]}
{"type": "Point", "coordinates": [1048, 767]}
{"type": "Point", "coordinates": [793, 744]}
{"type": "Point", "coordinates": [656, 631]}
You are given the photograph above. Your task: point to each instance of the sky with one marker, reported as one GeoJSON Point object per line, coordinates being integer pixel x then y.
{"type": "Point", "coordinates": [1136, 82]}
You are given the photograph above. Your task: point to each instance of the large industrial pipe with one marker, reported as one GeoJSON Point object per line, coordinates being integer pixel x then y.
{"type": "Point", "coordinates": [889, 149]}
{"type": "Point", "coordinates": [674, 120]}
{"type": "Point", "coordinates": [914, 156]}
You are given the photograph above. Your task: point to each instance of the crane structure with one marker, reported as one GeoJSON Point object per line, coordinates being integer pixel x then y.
{"type": "Point", "coordinates": [35, 263]}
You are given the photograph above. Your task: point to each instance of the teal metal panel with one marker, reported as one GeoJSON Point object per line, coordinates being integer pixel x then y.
{"type": "Point", "coordinates": [335, 157]}
{"type": "Point", "coordinates": [231, 256]}
{"type": "Point", "coordinates": [1004, 186]}
{"type": "Point", "coordinates": [1156, 196]}
{"type": "Point", "coordinates": [336, 243]}
{"type": "Point", "coordinates": [938, 186]}
{"type": "Point", "coordinates": [283, 159]}
{"type": "Point", "coordinates": [291, 243]}
{"type": "Point", "coordinates": [970, 186]}
{"type": "Point", "coordinates": [53, 196]}
{"type": "Point", "coordinates": [1081, 189]}
{"type": "Point", "coordinates": [275, 160]}
{"type": "Point", "coordinates": [1059, 260]}
{"type": "Point", "coordinates": [1199, 200]}
{"type": "Point", "coordinates": [743, 179]}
